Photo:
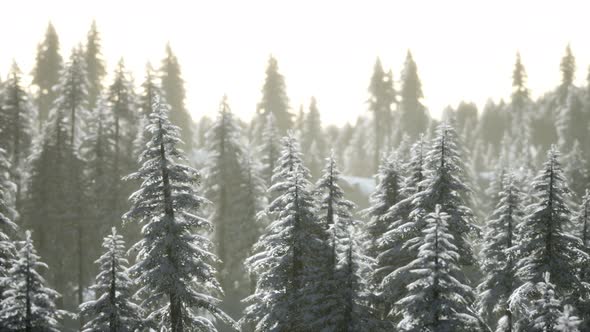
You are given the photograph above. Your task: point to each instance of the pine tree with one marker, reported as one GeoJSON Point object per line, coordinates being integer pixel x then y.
{"type": "Point", "coordinates": [28, 304]}
{"type": "Point", "coordinates": [72, 94]}
{"type": "Point", "coordinates": [114, 309]}
{"type": "Point", "coordinates": [7, 213]}
{"type": "Point", "coordinates": [174, 268]}
{"type": "Point", "coordinates": [274, 97]}
{"type": "Point", "coordinates": [386, 195]}
{"type": "Point", "coordinates": [438, 299]}
{"type": "Point", "coordinates": [520, 92]}
{"type": "Point", "coordinates": [47, 72]}
{"type": "Point", "coordinates": [150, 89]}
{"type": "Point", "coordinates": [96, 70]}
{"type": "Point", "coordinates": [17, 127]}
{"type": "Point", "coordinates": [313, 144]}
{"type": "Point", "coordinates": [498, 264]}
{"type": "Point", "coordinates": [584, 220]}
{"type": "Point", "coordinates": [544, 244]}
{"type": "Point", "coordinates": [291, 257]}
{"type": "Point", "coordinates": [414, 116]}
{"type": "Point", "coordinates": [447, 184]}
{"type": "Point", "coordinates": [174, 94]}
{"type": "Point", "coordinates": [575, 170]}
{"type": "Point", "coordinates": [381, 98]}
{"type": "Point", "coordinates": [572, 121]}
{"type": "Point", "coordinates": [546, 310]}
{"type": "Point", "coordinates": [568, 70]}
{"type": "Point", "coordinates": [270, 148]}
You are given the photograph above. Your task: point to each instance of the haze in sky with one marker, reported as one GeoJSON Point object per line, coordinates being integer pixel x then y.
{"type": "Point", "coordinates": [465, 50]}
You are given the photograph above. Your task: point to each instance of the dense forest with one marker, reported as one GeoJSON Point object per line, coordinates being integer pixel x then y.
{"type": "Point", "coordinates": [121, 212]}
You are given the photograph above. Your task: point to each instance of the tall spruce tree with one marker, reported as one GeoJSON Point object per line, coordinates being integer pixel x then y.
{"type": "Point", "coordinates": [291, 256]}
{"type": "Point", "coordinates": [269, 149]}
{"type": "Point", "coordinates": [584, 220]}
{"type": "Point", "coordinates": [29, 305]}
{"type": "Point", "coordinates": [438, 299]}
{"type": "Point", "coordinates": [114, 309]}
{"type": "Point", "coordinates": [7, 226]}
{"type": "Point", "coordinates": [95, 65]}
{"type": "Point", "coordinates": [274, 97]}
{"type": "Point", "coordinates": [17, 128]}
{"type": "Point", "coordinates": [546, 309]}
{"type": "Point", "coordinates": [46, 73]}
{"type": "Point", "coordinates": [173, 89]}
{"type": "Point", "coordinates": [313, 143]}
{"type": "Point", "coordinates": [382, 96]}
{"type": "Point", "coordinates": [414, 115]}
{"type": "Point", "coordinates": [149, 90]}
{"type": "Point", "coordinates": [498, 265]}
{"type": "Point", "coordinates": [568, 71]}
{"type": "Point", "coordinates": [174, 268]}
{"type": "Point", "coordinates": [73, 94]}
{"type": "Point", "coordinates": [544, 245]}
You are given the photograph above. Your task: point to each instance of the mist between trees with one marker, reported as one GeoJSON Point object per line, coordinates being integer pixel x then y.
{"type": "Point", "coordinates": [118, 212]}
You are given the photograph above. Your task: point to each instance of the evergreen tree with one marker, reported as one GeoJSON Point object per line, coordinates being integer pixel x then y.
{"type": "Point", "coordinates": [291, 257]}
{"type": "Point", "coordinates": [575, 170]}
{"type": "Point", "coordinates": [7, 213]}
{"type": "Point", "coordinates": [387, 194]}
{"type": "Point", "coordinates": [270, 148]}
{"type": "Point", "coordinates": [446, 184]}
{"type": "Point", "coordinates": [567, 322]}
{"type": "Point", "coordinates": [498, 264]}
{"type": "Point", "coordinates": [414, 116]}
{"type": "Point", "coordinates": [546, 310]}
{"type": "Point", "coordinates": [568, 70]}
{"type": "Point", "coordinates": [113, 310]}
{"type": "Point", "coordinates": [174, 268]}
{"type": "Point", "coordinates": [17, 128]}
{"type": "Point", "coordinates": [274, 97]}
{"type": "Point", "coordinates": [95, 65]}
{"type": "Point", "coordinates": [312, 138]}
{"type": "Point", "coordinates": [174, 94]}
{"type": "Point", "coordinates": [584, 220]}
{"type": "Point", "coordinates": [572, 121]}
{"type": "Point", "coordinates": [47, 72]}
{"type": "Point", "coordinates": [544, 244]}
{"type": "Point", "coordinates": [150, 89]}
{"type": "Point", "coordinates": [438, 299]}
{"type": "Point", "coordinates": [28, 304]}
{"type": "Point", "coordinates": [382, 96]}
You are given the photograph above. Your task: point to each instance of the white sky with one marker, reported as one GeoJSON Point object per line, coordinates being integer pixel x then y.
{"type": "Point", "coordinates": [464, 49]}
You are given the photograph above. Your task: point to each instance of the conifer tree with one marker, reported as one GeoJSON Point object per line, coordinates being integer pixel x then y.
{"type": "Point", "coordinates": [380, 100]}
{"type": "Point", "coordinates": [414, 116]}
{"type": "Point", "coordinates": [291, 256]}
{"type": "Point", "coordinates": [17, 128]}
{"type": "Point", "coordinates": [498, 265]}
{"type": "Point", "coordinates": [544, 243]}
{"type": "Point", "coordinates": [149, 90]}
{"type": "Point", "coordinates": [447, 184]}
{"type": "Point", "coordinates": [520, 93]}
{"type": "Point", "coordinates": [567, 322]}
{"type": "Point", "coordinates": [274, 97]}
{"type": "Point", "coordinates": [575, 170]}
{"type": "Point", "coordinates": [29, 305]}
{"type": "Point", "coordinates": [172, 85]}
{"type": "Point", "coordinates": [387, 194]}
{"type": "Point", "coordinates": [568, 71]}
{"type": "Point", "coordinates": [438, 299]}
{"type": "Point", "coordinates": [270, 148]}
{"type": "Point", "coordinates": [572, 121]}
{"type": "Point", "coordinates": [7, 226]}
{"type": "Point", "coordinates": [584, 220]}
{"type": "Point", "coordinates": [312, 138]}
{"type": "Point", "coordinates": [95, 65]}
{"type": "Point", "coordinates": [546, 310]}
{"type": "Point", "coordinates": [114, 309]}
{"type": "Point", "coordinates": [47, 72]}
{"type": "Point", "coordinates": [175, 269]}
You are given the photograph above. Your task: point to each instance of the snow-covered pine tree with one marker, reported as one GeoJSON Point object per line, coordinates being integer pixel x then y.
{"type": "Point", "coordinates": [438, 300]}
{"type": "Point", "coordinates": [353, 295]}
{"type": "Point", "coordinates": [447, 184]}
{"type": "Point", "coordinates": [28, 304]}
{"type": "Point", "coordinates": [291, 257]}
{"type": "Point", "coordinates": [575, 171]}
{"type": "Point", "coordinates": [546, 309]}
{"type": "Point", "coordinates": [544, 245]}
{"type": "Point", "coordinates": [114, 309]}
{"type": "Point", "coordinates": [313, 142]}
{"type": "Point", "coordinates": [387, 194]}
{"type": "Point", "coordinates": [17, 128]}
{"type": "Point", "coordinates": [274, 97]}
{"type": "Point", "coordinates": [414, 117]}
{"type": "Point", "coordinates": [175, 268]}
{"type": "Point", "coordinates": [498, 265]}
{"type": "Point", "coordinates": [568, 322]}
{"type": "Point", "coordinates": [235, 232]}
{"type": "Point", "coordinates": [149, 90]}
{"type": "Point", "coordinates": [270, 148]}
{"type": "Point", "coordinates": [391, 272]}
{"type": "Point", "coordinates": [7, 213]}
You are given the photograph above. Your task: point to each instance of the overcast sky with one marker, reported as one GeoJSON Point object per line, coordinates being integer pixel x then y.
{"type": "Point", "coordinates": [464, 49]}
